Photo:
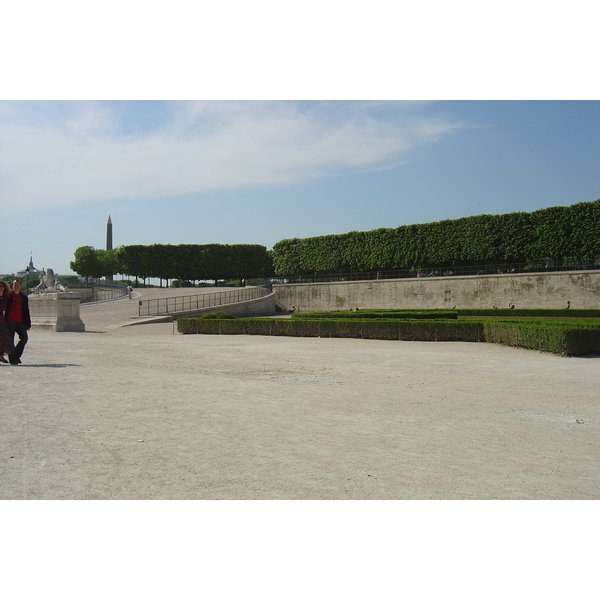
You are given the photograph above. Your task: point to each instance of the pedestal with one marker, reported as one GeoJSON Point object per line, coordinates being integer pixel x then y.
{"type": "Point", "coordinates": [58, 311]}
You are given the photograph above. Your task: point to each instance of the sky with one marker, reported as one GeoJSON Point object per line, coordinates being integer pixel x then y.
{"type": "Point", "coordinates": [259, 171]}
{"type": "Point", "coordinates": [253, 123]}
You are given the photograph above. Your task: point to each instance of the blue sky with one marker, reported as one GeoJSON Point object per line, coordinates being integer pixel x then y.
{"type": "Point", "coordinates": [260, 171]}
{"type": "Point", "coordinates": [310, 122]}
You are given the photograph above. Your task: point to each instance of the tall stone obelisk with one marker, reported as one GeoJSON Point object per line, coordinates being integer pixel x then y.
{"type": "Point", "coordinates": [109, 241]}
{"type": "Point", "coordinates": [109, 234]}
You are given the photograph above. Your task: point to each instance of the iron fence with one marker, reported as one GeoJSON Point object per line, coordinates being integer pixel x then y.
{"type": "Point", "coordinates": [166, 306]}
{"type": "Point", "coordinates": [100, 291]}
{"type": "Point", "coordinates": [495, 269]}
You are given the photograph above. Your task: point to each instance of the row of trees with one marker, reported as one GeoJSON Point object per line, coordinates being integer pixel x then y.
{"type": "Point", "coordinates": [569, 233]}
{"type": "Point", "coordinates": [187, 262]}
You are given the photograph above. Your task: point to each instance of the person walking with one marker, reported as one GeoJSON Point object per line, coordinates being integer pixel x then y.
{"type": "Point", "coordinates": [6, 344]}
{"type": "Point", "coordinates": [18, 320]}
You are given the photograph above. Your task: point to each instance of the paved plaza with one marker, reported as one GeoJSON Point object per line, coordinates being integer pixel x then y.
{"type": "Point", "coordinates": [141, 412]}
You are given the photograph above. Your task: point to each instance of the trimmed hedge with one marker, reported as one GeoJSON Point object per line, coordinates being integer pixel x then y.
{"type": "Point", "coordinates": [216, 315]}
{"type": "Point", "coordinates": [193, 262]}
{"type": "Point", "coordinates": [528, 312]}
{"type": "Point", "coordinates": [451, 330]}
{"type": "Point", "coordinates": [379, 314]}
{"type": "Point", "coordinates": [567, 233]}
{"type": "Point", "coordinates": [559, 338]}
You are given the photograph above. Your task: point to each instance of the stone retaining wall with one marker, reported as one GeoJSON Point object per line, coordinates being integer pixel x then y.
{"type": "Point", "coordinates": [535, 290]}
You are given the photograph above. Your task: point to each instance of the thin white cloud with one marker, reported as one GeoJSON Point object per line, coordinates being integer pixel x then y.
{"type": "Point", "coordinates": [68, 153]}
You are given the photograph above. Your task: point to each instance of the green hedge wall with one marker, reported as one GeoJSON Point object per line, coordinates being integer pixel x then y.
{"type": "Point", "coordinates": [215, 315]}
{"type": "Point", "coordinates": [379, 314]}
{"type": "Point", "coordinates": [528, 312]}
{"type": "Point", "coordinates": [367, 329]}
{"type": "Point", "coordinates": [559, 338]}
{"type": "Point", "coordinates": [193, 262]}
{"type": "Point", "coordinates": [563, 233]}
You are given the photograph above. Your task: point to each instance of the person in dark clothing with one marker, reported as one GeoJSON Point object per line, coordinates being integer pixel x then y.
{"type": "Point", "coordinates": [18, 320]}
{"type": "Point", "coordinates": [6, 345]}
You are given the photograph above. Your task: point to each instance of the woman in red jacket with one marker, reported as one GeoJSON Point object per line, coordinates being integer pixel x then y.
{"type": "Point", "coordinates": [6, 345]}
{"type": "Point", "coordinates": [18, 320]}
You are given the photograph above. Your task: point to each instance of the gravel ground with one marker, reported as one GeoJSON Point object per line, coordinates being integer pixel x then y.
{"type": "Point", "coordinates": [142, 412]}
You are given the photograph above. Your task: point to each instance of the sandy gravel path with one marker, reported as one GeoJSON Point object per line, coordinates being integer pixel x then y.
{"type": "Point", "coordinates": [143, 413]}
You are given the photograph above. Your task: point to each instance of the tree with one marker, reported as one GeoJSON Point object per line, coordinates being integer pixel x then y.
{"type": "Point", "coordinates": [108, 263]}
{"type": "Point", "coordinates": [93, 263]}
{"type": "Point", "coordinates": [568, 233]}
{"type": "Point", "coordinates": [133, 261]}
{"type": "Point", "coordinates": [87, 262]}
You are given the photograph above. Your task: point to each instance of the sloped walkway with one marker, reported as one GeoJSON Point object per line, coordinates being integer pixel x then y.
{"type": "Point", "coordinates": [102, 316]}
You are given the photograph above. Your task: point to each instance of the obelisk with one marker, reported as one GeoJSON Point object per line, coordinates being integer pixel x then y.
{"type": "Point", "coordinates": [109, 234]}
{"type": "Point", "coordinates": [109, 243]}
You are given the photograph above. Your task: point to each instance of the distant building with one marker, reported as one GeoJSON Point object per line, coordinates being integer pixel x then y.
{"type": "Point", "coordinates": [30, 272]}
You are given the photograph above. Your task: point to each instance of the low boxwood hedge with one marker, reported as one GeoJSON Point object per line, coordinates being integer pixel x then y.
{"type": "Point", "coordinates": [451, 330]}
{"type": "Point", "coordinates": [379, 314]}
{"type": "Point", "coordinates": [528, 312]}
{"type": "Point", "coordinates": [560, 338]}
{"type": "Point", "coordinates": [216, 315]}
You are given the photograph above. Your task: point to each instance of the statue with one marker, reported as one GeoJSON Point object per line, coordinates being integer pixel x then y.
{"type": "Point", "coordinates": [48, 283]}
{"type": "Point", "coordinates": [52, 308]}
{"type": "Point", "coordinates": [41, 285]}
{"type": "Point", "coordinates": [49, 280]}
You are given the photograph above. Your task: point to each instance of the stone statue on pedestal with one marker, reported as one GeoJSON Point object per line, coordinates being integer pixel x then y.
{"type": "Point", "coordinates": [48, 283]}
{"type": "Point", "coordinates": [52, 307]}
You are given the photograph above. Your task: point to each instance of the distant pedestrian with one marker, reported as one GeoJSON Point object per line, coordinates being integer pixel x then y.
{"type": "Point", "coordinates": [19, 321]}
{"type": "Point", "coordinates": [568, 304]}
{"type": "Point", "coordinates": [129, 292]}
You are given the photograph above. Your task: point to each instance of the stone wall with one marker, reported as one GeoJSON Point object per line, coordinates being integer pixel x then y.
{"type": "Point", "coordinates": [535, 290]}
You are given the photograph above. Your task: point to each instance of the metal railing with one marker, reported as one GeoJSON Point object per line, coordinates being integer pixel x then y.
{"type": "Point", "coordinates": [166, 306]}
{"type": "Point", "coordinates": [495, 269]}
{"type": "Point", "coordinates": [100, 291]}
